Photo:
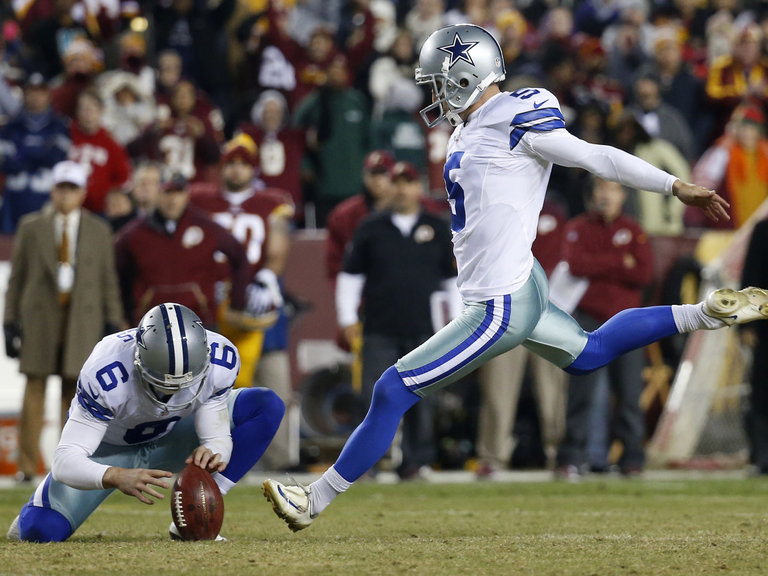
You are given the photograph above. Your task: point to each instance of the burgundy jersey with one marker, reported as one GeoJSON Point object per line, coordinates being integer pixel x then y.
{"type": "Point", "coordinates": [157, 266]}
{"type": "Point", "coordinates": [277, 159]}
{"type": "Point", "coordinates": [247, 217]}
{"type": "Point", "coordinates": [105, 162]}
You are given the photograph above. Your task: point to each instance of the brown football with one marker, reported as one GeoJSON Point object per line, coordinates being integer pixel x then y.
{"type": "Point", "coordinates": [197, 506]}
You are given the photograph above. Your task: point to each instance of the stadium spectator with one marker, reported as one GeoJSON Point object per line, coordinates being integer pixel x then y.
{"type": "Point", "coordinates": [401, 246]}
{"type": "Point", "coordinates": [501, 379]}
{"type": "Point", "coordinates": [609, 250]}
{"type": "Point", "coordinates": [30, 145]}
{"type": "Point", "coordinates": [186, 141]}
{"type": "Point", "coordinates": [128, 109]}
{"type": "Point", "coordinates": [82, 62]}
{"type": "Point", "coordinates": [659, 119]}
{"type": "Point", "coordinates": [301, 19]}
{"type": "Point", "coordinates": [311, 62]}
{"type": "Point", "coordinates": [514, 41]}
{"type": "Point", "coordinates": [679, 87]}
{"type": "Point", "coordinates": [49, 33]}
{"type": "Point", "coordinates": [170, 255]}
{"type": "Point", "coordinates": [111, 434]}
{"type": "Point", "coordinates": [628, 42]}
{"type": "Point", "coordinates": [396, 99]}
{"type": "Point", "coordinates": [258, 64]}
{"type": "Point", "coordinates": [343, 220]}
{"type": "Point", "coordinates": [336, 119]}
{"type": "Point", "coordinates": [105, 161]}
{"type": "Point", "coordinates": [119, 208]}
{"type": "Point", "coordinates": [755, 273]}
{"type": "Point", "coordinates": [146, 186]}
{"type": "Point", "coordinates": [355, 36]}
{"type": "Point", "coordinates": [737, 164]}
{"type": "Point", "coordinates": [279, 146]}
{"type": "Point", "coordinates": [592, 17]}
{"type": "Point", "coordinates": [167, 75]}
{"type": "Point", "coordinates": [259, 219]}
{"type": "Point", "coordinates": [657, 215]}
{"type": "Point", "coordinates": [11, 73]}
{"type": "Point", "coordinates": [133, 63]}
{"type": "Point", "coordinates": [738, 76]}
{"type": "Point", "coordinates": [423, 18]}
{"type": "Point", "coordinates": [58, 307]}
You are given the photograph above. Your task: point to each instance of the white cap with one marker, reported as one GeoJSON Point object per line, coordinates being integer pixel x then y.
{"type": "Point", "coordinates": [70, 172]}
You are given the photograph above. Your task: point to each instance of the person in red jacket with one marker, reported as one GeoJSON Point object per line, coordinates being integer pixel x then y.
{"type": "Point", "coordinates": [611, 251]}
{"type": "Point", "coordinates": [169, 256]}
{"type": "Point", "coordinates": [104, 160]}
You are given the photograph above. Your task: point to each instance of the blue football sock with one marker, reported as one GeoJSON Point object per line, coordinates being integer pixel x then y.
{"type": "Point", "coordinates": [256, 415]}
{"type": "Point", "coordinates": [371, 440]}
{"type": "Point", "coordinates": [38, 524]}
{"type": "Point", "coordinates": [627, 330]}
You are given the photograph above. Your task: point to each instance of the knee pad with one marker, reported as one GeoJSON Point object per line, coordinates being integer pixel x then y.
{"type": "Point", "coordinates": [38, 524]}
{"type": "Point", "coordinates": [261, 403]}
{"type": "Point", "coordinates": [390, 390]}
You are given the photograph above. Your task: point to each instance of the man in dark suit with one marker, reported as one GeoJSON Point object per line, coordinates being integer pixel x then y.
{"type": "Point", "coordinates": [62, 297]}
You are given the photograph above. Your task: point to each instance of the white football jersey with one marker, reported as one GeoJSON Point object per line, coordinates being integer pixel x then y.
{"type": "Point", "coordinates": [496, 187]}
{"type": "Point", "coordinates": [110, 391]}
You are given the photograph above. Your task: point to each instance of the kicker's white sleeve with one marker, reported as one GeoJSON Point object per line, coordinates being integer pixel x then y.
{"type": "Point", "coordinates": [349, 293]}
{"type": "Point", "coordinates": [212, 427]}
{"type": "Point", "coordinates": [565, 149]}
{"type": "Point", "coordinates": [72, 464]}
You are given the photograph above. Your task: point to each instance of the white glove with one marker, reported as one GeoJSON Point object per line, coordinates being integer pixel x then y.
{"type": "Point", "coordinates": [263, 294]}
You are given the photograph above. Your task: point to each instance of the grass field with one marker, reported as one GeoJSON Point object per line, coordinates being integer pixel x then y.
{"type": "Point", "coordinates": [638, 527]}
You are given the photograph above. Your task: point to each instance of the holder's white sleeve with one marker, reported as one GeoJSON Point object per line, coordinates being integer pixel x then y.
{"type": "Point", "coordinates": [72, 464]}
{"type": "Point", "coordinates": [212, 428]}
{"type": "Point", "coordinates": [349, 293]}
{"type": "Point", "coordinates": [565, 149]}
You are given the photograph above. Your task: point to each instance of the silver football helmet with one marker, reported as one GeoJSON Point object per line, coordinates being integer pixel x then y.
{"type": "Point", "coordinates": [172, 353]}
{"type": "Point", "coordinates": [458, 62]}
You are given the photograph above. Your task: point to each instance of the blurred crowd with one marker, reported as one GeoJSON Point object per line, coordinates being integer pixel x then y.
{"type": "Point", "coordinates": [150, 97]}
{"type": "Point", "coordinates": [318, 84]}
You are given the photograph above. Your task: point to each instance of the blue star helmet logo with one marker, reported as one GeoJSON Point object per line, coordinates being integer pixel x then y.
{"type": "Point", "coordinates": [459, 51]}
{"type": "Point", "coordinates": [140, 335]}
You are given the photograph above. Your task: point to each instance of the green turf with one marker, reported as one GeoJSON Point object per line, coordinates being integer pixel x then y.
{"type": "Point", "coordinates": [596, 528]}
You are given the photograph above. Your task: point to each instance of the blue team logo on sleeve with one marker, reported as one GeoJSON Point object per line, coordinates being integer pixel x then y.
{"type": "Point", "coordinates": [459, 51]}
{"type": "Point", "coordinates": [88, 400]}
{"type": "Point", "coordinates": [539, 120]}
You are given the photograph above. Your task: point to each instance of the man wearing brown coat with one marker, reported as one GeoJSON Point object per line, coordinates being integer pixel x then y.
{"type": "Point", "coordinates": [62, 297]}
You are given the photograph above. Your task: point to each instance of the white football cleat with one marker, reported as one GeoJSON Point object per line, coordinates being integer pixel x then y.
{"type": "Point", "coordinates": [173, 532]}
{"type": "Point", "coordinates": [737, 307]}
{"type": "Point", "coordinates": [291, 503]}
{"type": "Point", "coordinates": [13, 531]}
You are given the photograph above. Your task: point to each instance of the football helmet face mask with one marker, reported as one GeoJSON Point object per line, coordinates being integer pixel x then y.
{"type": "Point", "coordinates": [458, 63]}
{"type": "Point", "coordinates": [172, 353]}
